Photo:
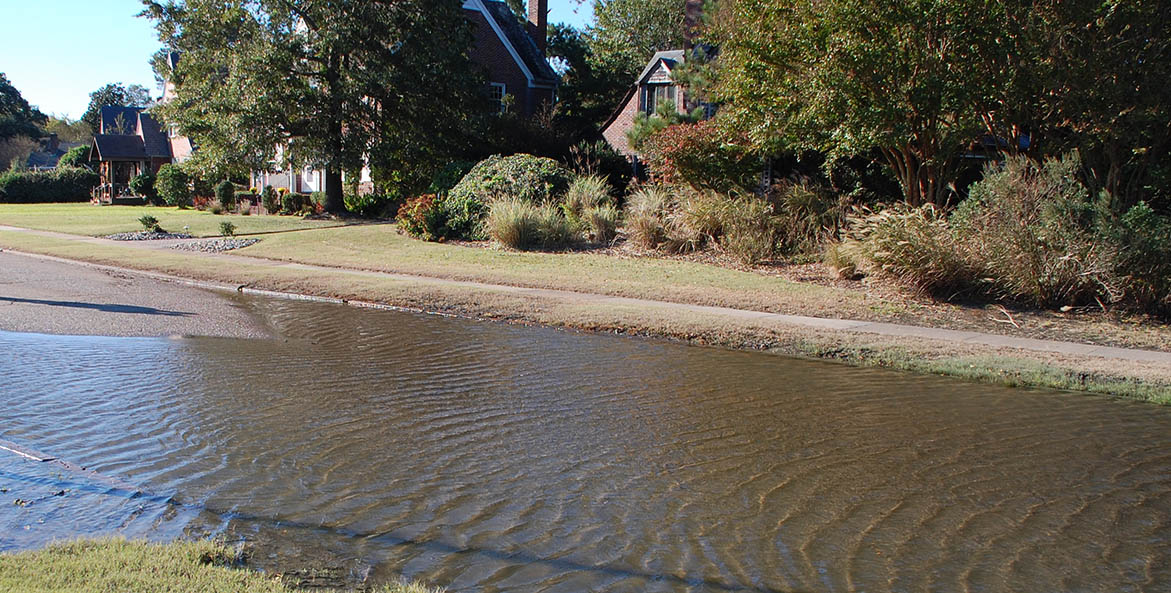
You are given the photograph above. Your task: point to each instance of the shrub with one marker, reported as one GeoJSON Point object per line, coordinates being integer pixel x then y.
{"type": "Point", "coordinates": [750, 230]}
{"type": "Point", "coordinates": [463, 216]}
{"type": "Point", "coordinates": [59, 185]}
{"type": "Point", "coordinates": [225, 195]}
{"type": "Point", "coordinates": [373, 205]}
{"type": "Point", "coordinates": [1030, 230]}
{"type": "Point", "coordinates": [227, 229]}
{"type": "Point", "coordinates": [913, 245]}
{"type": "Point", "coordinates": [599, 158]}
{"type": "Point", "coordinates": [78, 156]}
{"type": "Point", "coordinates": [173, 186]}
{"type": "Point", "coordinates": [1144, 262]}
{"type": "Point", "coordinates": [520, 224]}
{"type": "Point", "coordinates": [449, 176]}
{"type": "Point", "coordinates": [810, 215]}
{"type": "Point", "coordinates": [585, 192]}
{"type": "Point", "coordinates": [423, 218]}
{"type": "Point", "coordinates": [702, 156]}
{"type": "Point", "coordinates": [646, 212]}
{"type": "Point", "coordinates": [522, 176]}
{"type": "Point", "coordinates": [144, 185]}
{"type": "Point", "coordinates": [696, 219]}
{"type": "Point", "coordinates": [513, 223]}
{"type": "Point", "coordinates": [270, 199]}
{"type": "Point", "coordinates": [215, 209]}
{"type": "Point", "coordinates": [601, 223]}
{"type": "Point", "coordinates": [295, 203]}
{"type": "Point", "coordinates": [243, 201]}
{"type": "Point", "coordinates": [150, 224]}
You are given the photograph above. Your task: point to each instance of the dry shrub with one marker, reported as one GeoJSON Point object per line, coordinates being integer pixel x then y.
{"type": "Point", "coordinates": [810, 214]}
{"type": "Point", "coordinates": [602, 223]}
{"type": "Point", "coordinates": [750, 230]}
{"type": "Point", "coordinates": [646, 212]}
{"type": "Point", "coordinates": [513, 223]}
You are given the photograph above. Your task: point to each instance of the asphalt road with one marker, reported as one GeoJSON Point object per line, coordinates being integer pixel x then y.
{"type": "Point", "coordinates": [40, 296]}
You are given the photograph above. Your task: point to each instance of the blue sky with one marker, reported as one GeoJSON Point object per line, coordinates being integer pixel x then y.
{"type": "Point", "coordinates": [55, 52]}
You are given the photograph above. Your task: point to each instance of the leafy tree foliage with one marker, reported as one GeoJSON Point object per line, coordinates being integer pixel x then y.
{"type": "Point", "coordinates": [114, 94]}
{"type": "Point", "coordinates": [626, 33]}
{"type": "Point", "coordinates": [17, 117]}
{"type": "Point", "coordinates": [332, 82]}
{"type": "Point", "coordinates": [67, 129]}
{"type": "Point", "coordinates": [78, 156]}
{"type": "Point", "coordinates": [922, 81]}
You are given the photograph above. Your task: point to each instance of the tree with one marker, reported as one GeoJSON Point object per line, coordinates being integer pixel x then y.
{"type": "Point", "coordinates": [113, 95]}
{"type": "Point", "coordinates": [17, 117]}
{"type": "Point", "coordinates": [626, 33]}
{"type": "Point", "coordinates": [850, 76]}
{"type": "Point", "coordinates": [67, 129]}
{"type": "Point", "coordinates": [333, 83]}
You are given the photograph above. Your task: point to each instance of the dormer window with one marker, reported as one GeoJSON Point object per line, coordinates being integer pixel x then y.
{"type": "Point", "coordinates": [656, 94]}
{"type": "Point", "coordinates": [497, 91]}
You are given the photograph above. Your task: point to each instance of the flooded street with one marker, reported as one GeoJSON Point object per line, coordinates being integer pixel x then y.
{"type": "Point", "coordinates": [486, 457]}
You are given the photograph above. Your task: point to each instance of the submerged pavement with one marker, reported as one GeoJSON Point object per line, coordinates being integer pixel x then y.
{"type": "Point", "coordinates": [38, 295]}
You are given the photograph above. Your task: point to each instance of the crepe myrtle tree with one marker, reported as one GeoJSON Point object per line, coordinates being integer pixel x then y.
{"type": "Point", "coordinates": [329, 83]}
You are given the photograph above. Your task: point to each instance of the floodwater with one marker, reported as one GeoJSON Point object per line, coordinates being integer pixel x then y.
{"type": "Point", "coordinates": [363, 445]}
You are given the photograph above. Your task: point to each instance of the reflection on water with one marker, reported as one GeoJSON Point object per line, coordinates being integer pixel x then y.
{"type": "Point", "coordinates": [495, 458]}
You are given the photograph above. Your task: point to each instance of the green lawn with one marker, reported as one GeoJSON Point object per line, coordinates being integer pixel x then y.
{"type": "Point", "coordinates": [138, 567]}
{"type": "Point", "coordinates": [94, 221]}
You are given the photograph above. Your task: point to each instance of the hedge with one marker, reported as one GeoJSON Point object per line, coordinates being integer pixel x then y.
{"type": "Point", "coordinates": [66, 184]}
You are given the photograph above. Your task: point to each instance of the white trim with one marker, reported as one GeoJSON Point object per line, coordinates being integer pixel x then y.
{"type": "Point", "coordinates": [479, 6]}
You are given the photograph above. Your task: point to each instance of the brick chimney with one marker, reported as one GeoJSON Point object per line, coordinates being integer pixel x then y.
{"type": "Point", "coordinates": [692, 22]}
{"type": "Point", "coordinates": [538, 25]}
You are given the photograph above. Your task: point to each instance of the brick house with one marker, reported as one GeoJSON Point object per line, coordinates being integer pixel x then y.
{"type": "Point", "coordinates": [512, 54]}
{"type": "Point", "coordinates": [651, 89]}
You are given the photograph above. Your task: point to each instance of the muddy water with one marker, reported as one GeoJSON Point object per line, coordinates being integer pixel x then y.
{"type": "Point", "coordinates": [365, 445]}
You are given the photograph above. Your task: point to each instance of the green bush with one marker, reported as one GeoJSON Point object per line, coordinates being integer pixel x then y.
{"type": "Point", "coordinates": [64, 184]}
{"type": "Point", "coordinates": [449, 176]}
{"type": "Point", "coordinates": [243, 201]}
{"type": "Point", "coordinates": [294, 203]}
{"type": "Point", "coordinates": [703, 156]}
{"type": "Point", "coordinates": [225, 195]}
{"type": "Point", "coordinates": [227, 229]}
{"type": "Point", "coordinates": [373, 205]}
{"type": "Point", "coordinates": [463, 215]}
{"type": "Point", "coordinates": [521, 176]}
{"type": "Point", "coordinates": [144, 185]}
{"type": "Point", "coordinates": [1144, 258]}
{"type": "Point", "coordinates": [423, 218]}
{"type": "Point", "coordinates": [173, 186]}
{"type": "Point", "coordinates": [270, 199]}
{"type": "Point", "coordinates": [78, 156]}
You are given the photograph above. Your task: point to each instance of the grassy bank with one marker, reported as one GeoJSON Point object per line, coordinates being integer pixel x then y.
{"type": "Point", "coordinates": [1143, 381]}
{"type": "Point", "coordinates": [138, 567]}
{"type": "Point", "coordinates": [96, 221]}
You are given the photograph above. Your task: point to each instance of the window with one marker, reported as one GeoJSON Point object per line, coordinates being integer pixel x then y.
{"type": "Point", "coordinates": [496, 93]}
{"type": "Point", "coordinates": [656, 94]}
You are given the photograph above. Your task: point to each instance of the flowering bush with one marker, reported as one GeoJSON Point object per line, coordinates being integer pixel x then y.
{"type": "Point", "coordinates": [701, 155]}
{"type": "Point", "coordinates": [423, 217]}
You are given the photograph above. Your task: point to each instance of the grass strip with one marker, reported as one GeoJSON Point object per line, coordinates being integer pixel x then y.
{"type": "Point", "coordinates": [102, 566]}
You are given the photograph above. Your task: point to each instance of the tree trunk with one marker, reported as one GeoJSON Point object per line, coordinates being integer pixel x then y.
{"type": "Point", "coordinates": [334, 198]}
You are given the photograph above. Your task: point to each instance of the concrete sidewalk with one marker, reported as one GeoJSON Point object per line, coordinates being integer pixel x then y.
{"type": "Point", "coordinates": [856, 326]}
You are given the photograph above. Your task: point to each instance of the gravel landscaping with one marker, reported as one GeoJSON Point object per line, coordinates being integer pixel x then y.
{"type": "Point", "coordinates": [216, 245]}
{"type": "Point", "coordinates": [144, 236]}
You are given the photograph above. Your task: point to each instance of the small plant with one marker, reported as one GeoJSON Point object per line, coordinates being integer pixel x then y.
{"type": "Point", "coordinates": [750, 230]}
{"type": "Point", "coordinates": [423, 218]}
{"type": "Point", "coordinates": [215, 209]}
{"type": "Point", "coordinates": [225, 194]}
{"type": "Point", "coordinates": [150, 224]}
{"type": "Point", "coordinates": [227, 229]}
{"type": "Point", "coordinates": [646, 211]}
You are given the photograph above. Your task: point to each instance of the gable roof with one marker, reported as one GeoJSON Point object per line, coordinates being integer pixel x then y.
{"type": "Point", "coordinates": [117, 147]}
{"type": "Point", "coordinates": [141, 138]}
{"type": "Point", "coordinates": [525, 48]}
{"type": "Point", "coordinates": [669, 59]}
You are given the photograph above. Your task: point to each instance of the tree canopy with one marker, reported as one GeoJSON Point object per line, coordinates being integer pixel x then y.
{"type": "Point", "coordinates": [329, 83]}
{"type": "Point", "coordinates": [17, 117]}
{"type": "Point", "coordinates": [114, 94]}
{"type": "Point", "coordinates": [924, 81]}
